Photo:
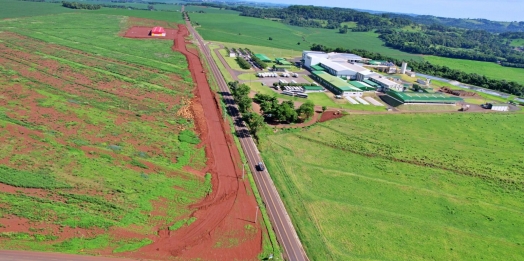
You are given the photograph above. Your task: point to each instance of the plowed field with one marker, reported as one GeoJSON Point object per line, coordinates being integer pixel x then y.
{"type": "Point", "coordinates": [106, 154]}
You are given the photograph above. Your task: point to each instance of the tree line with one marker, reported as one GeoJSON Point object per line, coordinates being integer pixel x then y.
{"type": "Point", "coordinates": [75, 5]}
{"type": "Point", "coordinates": [425, 67]}
{"type": "Point", "coordinates": [240, 94]}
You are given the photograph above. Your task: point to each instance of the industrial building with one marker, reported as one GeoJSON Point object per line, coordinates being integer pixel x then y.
{"type": "Point", "coordinates": [336, 85]}
{"type": "Point", "coordinates": [158, 31]}
{"type": "Point", "coordinates": [415, 97]}
{"type": "Point", "coordinates": [385, 84]}
{"type": "Point", "coordinates": [308, 89]}
{"type": "Point", "coordinates": [337, 64]}
{"type": "Point", "coordinates": [263, 57]}
{"type": "Point", "coordinates": [363, 86]}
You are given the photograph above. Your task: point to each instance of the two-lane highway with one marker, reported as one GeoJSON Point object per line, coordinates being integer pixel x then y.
{"type": "Point", "coordinates": [286, 233]}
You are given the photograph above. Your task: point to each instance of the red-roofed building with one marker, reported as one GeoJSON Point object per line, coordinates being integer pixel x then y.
{"type": "Point", "coordinates": [158, 31]}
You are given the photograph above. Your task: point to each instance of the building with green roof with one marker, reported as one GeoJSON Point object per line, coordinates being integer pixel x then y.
{"type": "Point", "coordinates": [362, 86]}
{"type": "Point", "coordinates": [317, 68]}
{"type": "Point", "coordinates": [370, 83]}
{"type": "Point", "coordinates": [416, 97]}
{"type": "Point", "coordinates": [263, 57]}
{"type": "Point", "coordinates": [313, 88]}
{"type": "Point", "coordinates": [335, 84]}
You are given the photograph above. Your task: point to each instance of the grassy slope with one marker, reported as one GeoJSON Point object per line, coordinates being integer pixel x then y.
{"type": "Point", "coordinates": [98, 34]}
{"type": "Point", "coordinates": [490, 70]}
{"type": "Point", "coordinates": [348, 206]}
{"type": "Point", "coordinates": [224, 26]}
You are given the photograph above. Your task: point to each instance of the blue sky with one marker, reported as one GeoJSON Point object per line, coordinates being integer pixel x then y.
{"type": "Point", "coordinates": [499, 10]}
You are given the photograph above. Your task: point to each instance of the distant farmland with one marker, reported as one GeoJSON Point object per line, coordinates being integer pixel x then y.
{"type": "Point", "coordinates": [490, 70]}
{"type": "Point", "coordinates": [224, 26]}
{"type": "Point", "coordinates": [405, 187]}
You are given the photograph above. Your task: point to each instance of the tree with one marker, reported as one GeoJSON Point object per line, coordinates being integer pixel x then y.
{"type": "Point", "coordinates": [307, 109]}
{"type": "Point", "coordinates": [255, 122]}
{"type": "Point", "coordinates": [270, 38]}
{"type": "Point", "coordinates": [298, 43]}
{"type": "Point", "coordinates": [286, 112]}
{"type": "Point", "coordinates": [324, 108]}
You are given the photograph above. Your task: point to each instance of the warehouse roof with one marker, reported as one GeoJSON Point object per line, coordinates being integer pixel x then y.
{"type": "Point", "coordinates": [158, 30]}
{"type": "Point", "coordinates": [362, 86]}
{"type": "Point", "coordinates": [262, 57]}
{"type": "Point", "coordinates": [317, 68]}
{"type": "Point", "coordinates": [374, 84]}
{"type": "Point", "coordinates": [414, 97]}
{"type": "Point", "coordinates": [312, 88]}
{"type": "Point", "coordinates": [336, 82]}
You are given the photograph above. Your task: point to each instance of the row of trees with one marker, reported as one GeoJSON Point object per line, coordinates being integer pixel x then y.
{"type": "Point", "coordinates": [243, 63]}
{"type": "Point", "coordinates": [240, 93]}
{"type": "Point", "coordinates": [437, 70]}
{"type": "Point", "coordinates": [75, 5]}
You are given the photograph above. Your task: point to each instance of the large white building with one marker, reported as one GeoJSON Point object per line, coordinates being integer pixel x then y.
{"type": "Point", "coordinates": [386, 84]}
{"type": "Point", "coordinates": [337, 64]}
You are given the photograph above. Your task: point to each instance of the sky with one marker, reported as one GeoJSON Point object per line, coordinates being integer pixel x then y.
{"type": "Point", "coordinates": [498, 10]}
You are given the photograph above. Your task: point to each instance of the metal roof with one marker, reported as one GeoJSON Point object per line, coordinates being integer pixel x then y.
{"type": "Point", "coordinates": [411, 97]}
{"type": "Point", "coordinates": [317, 68]}
{"type": "Point", "coordinates": [312, 88]}
{"type": "Point", "coordinates": [262, 57]}
{"type": "Point", "coordinates": [336, 82]}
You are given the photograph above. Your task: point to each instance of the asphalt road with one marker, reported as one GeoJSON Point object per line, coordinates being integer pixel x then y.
{"type": "Point", "coordinates": [286, 233]}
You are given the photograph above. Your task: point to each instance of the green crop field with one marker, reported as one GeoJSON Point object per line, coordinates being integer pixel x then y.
{"type": "Point", "coordinates": [404, 187]}
{"type": "Point", "coordinates": [93, 148]}
{"type": "Point", "coordinates": [490, 70]}
{"type": "Point", "coordinates": [229, 27]}
{"type": "Point", "coordinates": [14, 8]}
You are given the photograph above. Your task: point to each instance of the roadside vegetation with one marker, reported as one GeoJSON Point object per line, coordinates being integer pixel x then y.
{"type": "Point", "coordinates": [450, 186]}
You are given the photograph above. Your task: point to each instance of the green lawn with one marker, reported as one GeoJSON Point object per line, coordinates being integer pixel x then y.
{"type": "Point", "coordinates": [224, 26]}
{"type": "Point", "coordinates": [490, 70]}
{"type": "Point", "coordinates": [366, 187]}
{"type": "Point", "coordinates": [517, 42]}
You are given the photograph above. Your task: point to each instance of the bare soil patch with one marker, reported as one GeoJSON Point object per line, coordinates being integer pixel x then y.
{"type": "Point", "coordinates": [145, 32]}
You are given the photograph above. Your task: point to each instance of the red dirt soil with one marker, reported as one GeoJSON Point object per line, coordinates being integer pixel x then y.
{"type": "Point", "coordinates": [143, 32]}
{"type": "Point", "coordinates": [330, 115]}
{"type": "Point", "coordinates": [219, 233]}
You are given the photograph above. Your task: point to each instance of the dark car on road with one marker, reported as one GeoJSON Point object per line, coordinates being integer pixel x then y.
{"type": "Point", "coordinates": [260, 166]}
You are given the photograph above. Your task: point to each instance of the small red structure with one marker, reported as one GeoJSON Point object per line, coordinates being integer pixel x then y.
{"type": "Point", "coordinates": [158, 31]}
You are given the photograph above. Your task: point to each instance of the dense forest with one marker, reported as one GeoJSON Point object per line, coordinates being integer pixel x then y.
{"type": "Point", "coordinates": [402, 33]}
{"type": "Point", "coordinates": [437, 70]}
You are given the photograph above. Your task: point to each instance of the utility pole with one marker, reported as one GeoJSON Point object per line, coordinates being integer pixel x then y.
{"type": "Point", "coordinates": [256, 216]}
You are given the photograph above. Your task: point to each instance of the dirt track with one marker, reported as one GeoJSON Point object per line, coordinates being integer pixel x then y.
{"type": "Point", "coordinates": [228, 210]}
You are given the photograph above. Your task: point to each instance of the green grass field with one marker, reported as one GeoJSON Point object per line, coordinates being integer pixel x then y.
{"type": "Point", "coordinates": [97, 135]}
{"type": "Point", "coordinates": [14, 8]}
{"type": "Point", "coordinates": [517, 42]}
{"type": "Point", "coordinates": [367, 187]}
{"type": "Point", "coordinates": [490, 70]}
{"type": "Point", "coordinates": [223, 26]}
